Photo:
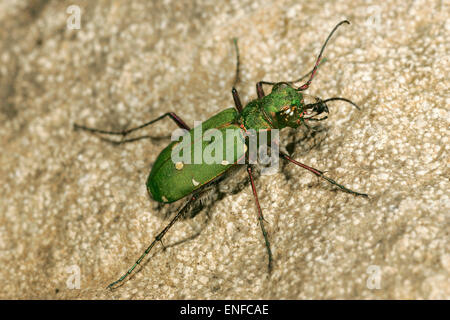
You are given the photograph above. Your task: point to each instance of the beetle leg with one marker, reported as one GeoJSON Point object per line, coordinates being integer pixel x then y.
{"type": "Point", "coordinates": [123, 133]}
{"type": "Point", "coordinates": [157, 238]}
{"type": "Point", "coordinates": [260, 90]}
{"type": "Point", "coordinates": [237, 100]}
{"type": "Point", "coordinates": [321, 175]}
{"type": "Point", "coordinates": [260, 217]}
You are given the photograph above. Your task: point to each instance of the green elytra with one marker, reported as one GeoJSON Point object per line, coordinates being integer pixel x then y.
{"type": "Point", "coordinates": [285, 106]}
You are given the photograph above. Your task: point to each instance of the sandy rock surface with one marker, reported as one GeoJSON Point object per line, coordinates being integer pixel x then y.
{"type": "Point", "coordinates": [75, 207]}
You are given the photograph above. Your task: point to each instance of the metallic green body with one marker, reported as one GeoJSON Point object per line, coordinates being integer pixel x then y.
{"type": "Point", "coordinates": [169, 181]}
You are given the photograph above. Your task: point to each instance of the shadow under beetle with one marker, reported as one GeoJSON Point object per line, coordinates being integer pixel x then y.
{"type": "Point", "coordinates": [285, 106]}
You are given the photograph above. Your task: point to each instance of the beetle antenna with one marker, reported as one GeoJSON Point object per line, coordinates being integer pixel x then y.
{"type": "Point", "coordinates": [236, 79]}
{"type": "Point", "coordinates": [342, 99]}
{"type": "Point", "coordinates": [313, 72]}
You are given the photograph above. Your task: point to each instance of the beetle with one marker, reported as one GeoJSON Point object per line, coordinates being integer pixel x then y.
{"type": "Point", "coordinates": [286, 106]}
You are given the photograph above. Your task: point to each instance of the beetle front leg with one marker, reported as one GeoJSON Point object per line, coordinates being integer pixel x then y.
{"type": "Point", "coordinates": [260, 217]}
{"type": "Point", "coordinates": [321, 175]}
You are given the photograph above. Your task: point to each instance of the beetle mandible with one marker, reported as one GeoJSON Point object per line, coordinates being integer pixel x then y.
{"type": "Point", "coordinates": [285, 106]}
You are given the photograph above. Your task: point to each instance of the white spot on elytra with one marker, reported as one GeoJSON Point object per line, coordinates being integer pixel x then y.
{"type": "Point", "coordinates": [194, 182]}
{"type": "Point", "coordinates": [225, 162]}
{"type": "Point", "coordinates": [179, 165]}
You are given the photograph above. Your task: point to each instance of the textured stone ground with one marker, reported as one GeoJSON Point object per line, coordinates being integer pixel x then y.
{"type": "Point", "coordinates": [70, 201]}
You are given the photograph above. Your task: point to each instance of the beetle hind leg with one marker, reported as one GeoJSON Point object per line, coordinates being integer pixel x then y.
{"type": "Point", "coordinates": [172, 115]}
{"type": "Point", "coordinates": [158, 238]}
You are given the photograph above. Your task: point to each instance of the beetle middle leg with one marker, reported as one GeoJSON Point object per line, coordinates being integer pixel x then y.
{"type": "Point", "coordinates": [260, 217]}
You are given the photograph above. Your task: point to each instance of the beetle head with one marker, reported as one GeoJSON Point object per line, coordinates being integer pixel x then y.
{"type": "Point", "coordinates": [289, 107]}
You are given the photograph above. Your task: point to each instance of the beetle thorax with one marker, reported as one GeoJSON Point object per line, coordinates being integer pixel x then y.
{"type": "Point", "coordinates": [283, 107]}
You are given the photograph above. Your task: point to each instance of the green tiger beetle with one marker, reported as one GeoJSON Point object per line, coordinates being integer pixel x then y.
{"type": "Point", "coordinates": [285, 106]}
